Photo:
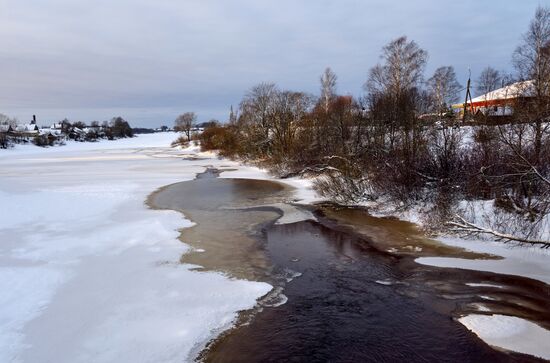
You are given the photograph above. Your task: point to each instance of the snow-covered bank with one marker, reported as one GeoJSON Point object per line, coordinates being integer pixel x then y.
{"type": "Point", "coordinates": [506, 332]}
{"type": "Point", "coordinates": [161, 139]}
{"type": "Point", "coordinates": [89, 273]}
{"type": "Point", "coordinates": [531, 262]}
{"type": "Point", "coordinates": [515, 334]}
{"type": "Point", "coordinates": [510, 333]}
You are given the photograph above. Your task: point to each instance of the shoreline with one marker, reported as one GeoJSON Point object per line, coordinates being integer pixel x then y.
{"type": "Point", "coordinates": [128, 174]}
{"type": "Point", "coordinates": [84, 254]}
{"type": "Point", "coordinates": [235, 325]}
{"type": "Point", "coordinates": [519, 256]}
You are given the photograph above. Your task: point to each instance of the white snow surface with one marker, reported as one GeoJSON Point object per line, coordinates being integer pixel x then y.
{"type": "Point", "coordinates": [89, 273]}
{"type": "Point", "coordinates": [515, 334]}
{"type": "Point", "coordinates": [515, 90]}
{"type": "Point", "coordinates": [475, 284]}
{"type": "Point", "coordinates": [531, 262]}
{"type": "Point", "coordinates": [510, 333]}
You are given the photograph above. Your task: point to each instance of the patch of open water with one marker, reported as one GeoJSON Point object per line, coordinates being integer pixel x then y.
{"type": "Point", "coordinates": [339, 294]}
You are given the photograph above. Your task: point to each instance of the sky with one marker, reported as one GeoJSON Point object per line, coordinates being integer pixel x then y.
{"type": "Point", "coordinates": [151, 60]}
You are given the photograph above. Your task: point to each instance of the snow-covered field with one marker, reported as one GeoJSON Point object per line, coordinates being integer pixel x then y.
{"type": "Point", "coordinates": [89, 273]}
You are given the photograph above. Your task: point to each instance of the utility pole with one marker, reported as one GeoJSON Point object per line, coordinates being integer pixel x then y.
{"type": "Point", "coordinates": [468, 94]}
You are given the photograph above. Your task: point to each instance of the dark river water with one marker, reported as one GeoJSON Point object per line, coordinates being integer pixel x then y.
{"type": "Point", "coordinates": [339, 295]}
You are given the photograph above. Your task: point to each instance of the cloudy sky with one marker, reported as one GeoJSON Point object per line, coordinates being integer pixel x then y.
{"type": "Point", "coordinates": [150, 60]}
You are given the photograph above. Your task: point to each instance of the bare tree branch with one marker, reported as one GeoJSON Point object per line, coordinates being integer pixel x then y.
{"type": "Point", "coordinates": [463, 226]}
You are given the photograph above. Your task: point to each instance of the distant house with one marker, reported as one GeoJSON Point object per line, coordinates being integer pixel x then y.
{"type": "Point", "coordinates": [500, 102]}
{"type": "Point", "coordinates": [77, 134]}
{"type": "Point", "coordinates": [28, 130]}
{"type": "Point", "coordinates": [51, 131]}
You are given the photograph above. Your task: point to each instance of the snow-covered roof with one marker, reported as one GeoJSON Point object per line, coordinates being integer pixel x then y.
{"type": "Point", "coordinates": [496, 97]}
{"type": "Point", "coordinates": [515, 90]}
{"type": "Point", "coordinates": [26, 128]}
{"type": "Point", "coordinates": [50, 131]}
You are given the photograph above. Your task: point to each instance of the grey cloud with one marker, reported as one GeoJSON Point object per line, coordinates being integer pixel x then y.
{"type": "Point", "coordinates": [150, 60]}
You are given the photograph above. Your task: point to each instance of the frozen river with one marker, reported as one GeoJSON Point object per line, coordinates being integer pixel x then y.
{"type": "Point", "coordinates": [91, 273]}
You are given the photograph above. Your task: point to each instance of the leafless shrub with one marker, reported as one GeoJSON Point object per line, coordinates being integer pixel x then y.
{"type": "Point", "coordinates": [185, 123]}
{"type": "Point", "coordinates": [379, 148]}
{"type": "Point", "coordinates": [181, 141]}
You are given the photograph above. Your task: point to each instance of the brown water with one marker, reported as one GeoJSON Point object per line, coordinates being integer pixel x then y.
{"type": "Point", "coordinates": [225, 236]}
{"type": "Point", "coordinates": [349, 299]}
{"type": "Point", "coordinates": [391, 234]}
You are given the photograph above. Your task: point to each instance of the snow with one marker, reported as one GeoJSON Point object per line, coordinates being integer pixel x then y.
{"type": "Point", "coordinates": [528, 262]}
{"type": "Point", "coordinates": [303, 193]}
{"type": "Point", "coordinates": [510, 333]}
{"type": "Point", "coordinates": [161, 139]}
{"type": "Point", "coordinates": [515, 334]}
{"type": "Point", "coordinates": [89, 273]}
{"type": "Point", "coordinates": [474, 284]}
{"type": "Point", "coordinates": [515, 90]}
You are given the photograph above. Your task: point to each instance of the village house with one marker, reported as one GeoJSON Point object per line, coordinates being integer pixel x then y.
{"type": "Point", "coordinates": [500, 102]}
{"type": "Point", "coordinates": [26, 131]}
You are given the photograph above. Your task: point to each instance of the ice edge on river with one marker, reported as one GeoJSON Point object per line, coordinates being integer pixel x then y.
{"type": "Point", "coordinates": [89, 273]}
{"type": "Point", "coordinates": [42, 283]}
{"type": "Point", "coordinates": [520, 261]}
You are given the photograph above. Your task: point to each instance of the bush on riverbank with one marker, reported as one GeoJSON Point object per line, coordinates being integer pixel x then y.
{"type": "Point", "coordinates": [219, 138]}
{"type": "Point", "coordinates": [381, 149]}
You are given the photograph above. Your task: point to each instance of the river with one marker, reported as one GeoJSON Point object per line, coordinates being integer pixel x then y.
{"type": "Point", "coordinates": [346, 287]}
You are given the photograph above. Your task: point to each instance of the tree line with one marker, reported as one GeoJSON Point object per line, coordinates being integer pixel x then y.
{"type": "Point", "coordinates": [64, 130]}
{"type": "Point", "coordinates": [402, 143]}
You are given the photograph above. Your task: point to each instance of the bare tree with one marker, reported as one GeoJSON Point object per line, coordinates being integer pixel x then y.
{"type": "Point", "coordinates": [328, 88]}
{"type": "Point", "coordinates": [402, 69]}
{"type": "Point", "coordinates": [289, 109]}
{"type": "Point", "coordinates": [532, 62]}
{"type": "Point", "coordinates": [461, 225]}
{"type": "Point", "coordinates": [5, 120]}
{"type": "Point", "coordinates": [5, 123]}
{"type": "Point", "coordinates": [489, 80]}
{"type": "Point", "coordinates": [532, 57]}
{"type": "Point", "coordinates": [232, 116]}
{"type": "Point", "coordinates": [256, 115]}
{"type": "Point", "coordinates": [185, 123]}
{"type": "Point", "coordinates": [444, 88]}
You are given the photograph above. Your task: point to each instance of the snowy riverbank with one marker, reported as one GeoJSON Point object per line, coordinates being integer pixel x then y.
{"type": "Point", "coordinates": [91, 274]}
{"type": "Point", "coordinates": [511, 333]}
{"type": "Point", "coordinates": [501, 331]}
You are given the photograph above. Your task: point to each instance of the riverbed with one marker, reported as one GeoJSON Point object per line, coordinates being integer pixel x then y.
{"type": "Point", "coordinates": [91, 273]}
{"type": "Point", "coordinates": [346, 286]}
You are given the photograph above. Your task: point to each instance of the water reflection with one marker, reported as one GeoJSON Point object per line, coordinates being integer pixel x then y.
{"type": "Point", "coordinates": [337, 312]}
{"type": "Point", "coordinates": [225, 235]}
{"type": "Point", "coordinates": [347, 288]}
